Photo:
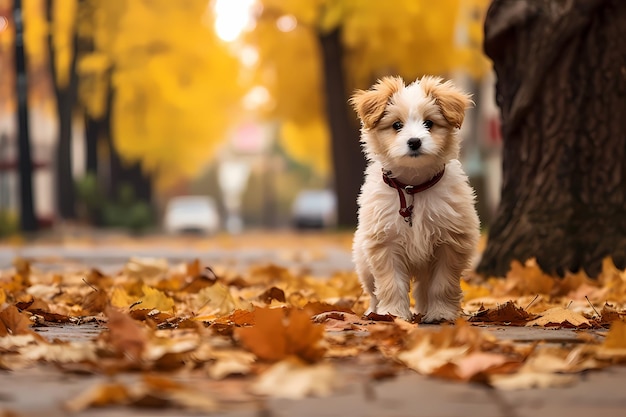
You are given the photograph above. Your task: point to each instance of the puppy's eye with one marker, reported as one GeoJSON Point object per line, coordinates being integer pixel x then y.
{"type": "Point", "coordinates": [397, 125]}
{"type": "Point", "coordinates": [428, 124]}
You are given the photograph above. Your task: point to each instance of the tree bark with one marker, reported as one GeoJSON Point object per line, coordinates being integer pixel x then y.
{"type": "Point", "coordinates": [561, 88]}
{"type": "Point", "coordinates": [348, 161]}
{"type": "Point", "coordinates": [66, 99]}
{"type": "Point", "coordinates": [28, 221]}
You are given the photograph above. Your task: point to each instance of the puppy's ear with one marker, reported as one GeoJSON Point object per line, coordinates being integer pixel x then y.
{"type": "Point", "coordinates": [452, 101]}
{"type": "Point", "coordinates": [370, 105]}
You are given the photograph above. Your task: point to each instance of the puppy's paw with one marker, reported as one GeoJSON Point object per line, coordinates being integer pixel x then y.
{"type": "Point", "coordinates": [403, 313]}
{"type": "Point", "coordinates": [441, 315]}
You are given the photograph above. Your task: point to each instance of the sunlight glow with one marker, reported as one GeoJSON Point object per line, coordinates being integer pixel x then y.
{"type": "Point", "coordinates": [232, 17]}
{"type": "Point", "coordinates": [286, 23]}
{"type": "Point", "coordinates": [256, 98]}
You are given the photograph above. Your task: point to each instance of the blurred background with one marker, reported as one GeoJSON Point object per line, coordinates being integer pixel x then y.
{"type": "Point", "coordinates": [216, 115]}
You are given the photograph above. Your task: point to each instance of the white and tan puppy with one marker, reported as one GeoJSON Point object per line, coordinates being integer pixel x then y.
{"type": "Point", "coordinates": [417, 221]}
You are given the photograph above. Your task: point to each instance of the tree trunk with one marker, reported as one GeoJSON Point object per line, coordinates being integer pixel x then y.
{"type": "Point", "coordinates": [561, 89]}
{"type": "Point", "coordinates": [94, 130]}
{"type": "Point", "coordinates": [66, 98]}
{"type": "Point", "coordinates": [28, 222]}
{"type": "Point", "coordinates": [348, 161]}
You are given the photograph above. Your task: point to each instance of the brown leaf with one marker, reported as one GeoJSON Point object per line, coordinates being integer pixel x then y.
{"type": "Point", "coordinates": [51, 317]}
{"type": "Point", "coordinates": [508, 313]}
{"type": "Point", "coordinates": [12, 322]}
{"type": "Point", "coordinates": [272, 293]}
{"type": "Point", "coordinates": [317, 307]}
{"type": "Point", "coordinates": [125, 334]}
{"type": "Point", "coordinates": [380, 317]}
{"type": "Point", "coordinates": [95, 302]}
{"type": "Point", "coordinates": [279, 333]}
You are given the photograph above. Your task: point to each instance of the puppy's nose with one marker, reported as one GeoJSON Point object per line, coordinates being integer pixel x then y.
{"type": "Point", "coordinates": [414, 143]}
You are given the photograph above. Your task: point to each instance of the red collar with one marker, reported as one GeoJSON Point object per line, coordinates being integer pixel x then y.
{"type": "Point", "coordinates": [407, 211]}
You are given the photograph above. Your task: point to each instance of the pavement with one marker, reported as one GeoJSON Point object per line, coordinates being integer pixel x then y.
{"type": "Point", "coordinates": [42, 390]}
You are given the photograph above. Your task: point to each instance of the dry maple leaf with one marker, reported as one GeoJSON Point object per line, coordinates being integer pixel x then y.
{"type": "Point", "coordinates": [508, 313]}
{"type": "Point", "coordinates": [154, 299]}
{"type": "Point", "coordinates": [279, 333]}
{"type": "Point", "coordinates": [562, 317]}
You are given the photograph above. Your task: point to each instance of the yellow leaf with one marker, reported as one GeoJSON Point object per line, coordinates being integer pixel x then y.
{"type": "Point", "coordinates": [121, 299]}
{"type": "Point", "coordinates": [216, 300]}
{"type": "Point", "coordinates": [3, 296]}
{"type": "Point", "coordinates": [616, 338]}
{"type": "Point", "coordinates": [155, 299]}
{"type": "Point", "coordinates": [559, 316]}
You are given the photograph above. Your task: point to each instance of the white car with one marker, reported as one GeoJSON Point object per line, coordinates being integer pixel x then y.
{"type": "Point", "coordinates": [191, 214]}
{"type": "Point", "coordinates": [314, 209]}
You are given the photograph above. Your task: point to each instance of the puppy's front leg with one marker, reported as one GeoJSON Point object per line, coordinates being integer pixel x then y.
{"type": "Point", "coordinates": [444, 292]}
{"type": "Point", "coordinates": [392, 282]}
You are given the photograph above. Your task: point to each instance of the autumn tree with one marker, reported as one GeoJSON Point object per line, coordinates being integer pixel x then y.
{"type": "Point", "coordinates": [172, 84]}
{"type": "Point", "coordinates": [564, 177]}
{"type": "Point", "coordinates": [62, 49]}
{"type": "Point", "coordinates": [313, 53]}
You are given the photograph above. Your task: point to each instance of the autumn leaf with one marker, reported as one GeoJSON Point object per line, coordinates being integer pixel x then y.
{"type": "Point", "coordinates": [561, 317]}
{"type": "Point", "coordinates": [614, 346]}
{"type": "Point", "coordinates": [507, 314]}
{"type": "Point", "coordinates": [216, 300]}
{"type": "Point", "coordinates": [12, 322]}
{"type": "Point", "coordinates": [294, 379]}
{"type": "Point", "coordinates": [151, 391]}
{"type": "Point", "coordinates": [279, 333]}
{"type": "Point", "coordinates": [125, 334]}
{"type": "Point", "coordinates": [155, 299]}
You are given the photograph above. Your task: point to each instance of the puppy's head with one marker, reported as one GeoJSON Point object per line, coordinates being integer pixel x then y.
{"type": "Point", "coordinates": [411, 126]}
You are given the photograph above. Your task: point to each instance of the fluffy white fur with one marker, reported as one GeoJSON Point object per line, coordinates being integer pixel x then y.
{"type": "Point", "coordinates": [389, 253]}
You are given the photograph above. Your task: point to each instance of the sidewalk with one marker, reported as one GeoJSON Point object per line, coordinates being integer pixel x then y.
{"type": "Point", "coordinates": [41, 391]}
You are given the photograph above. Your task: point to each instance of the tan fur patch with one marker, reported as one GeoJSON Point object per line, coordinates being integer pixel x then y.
{"type": "Point", "coordinates": [370, 104]}
{"type": "Point", "coordinates": [452, 101]}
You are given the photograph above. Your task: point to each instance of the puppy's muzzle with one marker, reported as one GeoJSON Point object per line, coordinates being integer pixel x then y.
{"type": "Point", "coordinates": [414, 144]}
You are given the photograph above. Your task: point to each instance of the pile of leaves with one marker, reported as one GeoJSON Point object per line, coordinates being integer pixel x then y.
{"type": "Point", "coordinates": [278, 333]}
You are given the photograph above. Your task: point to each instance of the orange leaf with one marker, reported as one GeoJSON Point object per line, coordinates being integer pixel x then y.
{"type": "Point", "coordinates": [280, 333]}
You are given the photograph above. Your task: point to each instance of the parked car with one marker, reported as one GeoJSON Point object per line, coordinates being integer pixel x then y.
{"type": "Point", "coordinates": [191, 214]}
{"type": "Point", "coordinates": [314, 209]}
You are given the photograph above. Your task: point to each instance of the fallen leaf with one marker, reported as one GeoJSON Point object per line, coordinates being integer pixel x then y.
{"type": "Point", "coordinates": [279, 333]}
{"type": "Point", "coordinates": [561, 317]}
{"type": "Point", "coordinates": [154, 299]}
{"type": "Point", "coordinates": [12, 322]}
{"type": "Point", "coordinates": [99, 396]}
{"type": "Point", "coordinates": [294, 379]}
{"type": "Point", "coordinates": [508, 313]}
{"type": "Point", "coordinates": [125, 334]}
{"type": "Point", "coordinates": [528, 380]}
{"type": "Point", "coordinates": [272, 293]}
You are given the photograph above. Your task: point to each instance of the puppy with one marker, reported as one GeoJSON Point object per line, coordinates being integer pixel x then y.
{"type": "Point", "coordinates": [417, 221]}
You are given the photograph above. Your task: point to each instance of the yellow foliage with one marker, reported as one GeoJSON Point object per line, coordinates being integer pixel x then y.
{"type": "Point", "coordinates": [62, 30]}
{"type": "Point", "coordinates": [307, 143]}
{"type": "Point", "coordinates": [175, 84]}
{"type": "Point", "coordinates": [404, 37]}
